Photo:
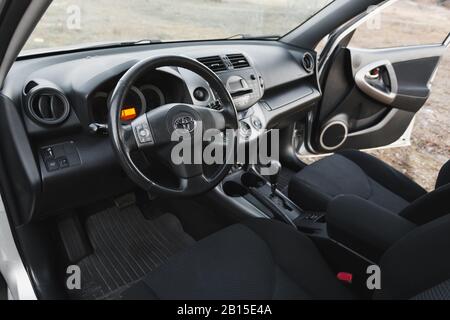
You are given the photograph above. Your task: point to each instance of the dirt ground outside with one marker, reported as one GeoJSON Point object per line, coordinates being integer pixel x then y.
{"type": "Point", "coordinates": [408, 22]}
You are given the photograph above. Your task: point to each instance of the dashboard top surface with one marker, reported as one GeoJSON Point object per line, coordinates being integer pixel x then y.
{"type": "Point", "coordinates": [277, 63]}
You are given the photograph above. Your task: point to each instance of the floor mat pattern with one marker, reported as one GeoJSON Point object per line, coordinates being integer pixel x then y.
{"type": "Point", "coordinates": [126, 248]}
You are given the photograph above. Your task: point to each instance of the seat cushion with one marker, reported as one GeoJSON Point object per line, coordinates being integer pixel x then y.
{"type": "Point", "coordinates": [352, 173]}
{"type": "Point", "coordinates": [255, 260]}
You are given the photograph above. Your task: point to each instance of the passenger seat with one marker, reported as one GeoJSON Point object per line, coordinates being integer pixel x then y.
{"type": "Point", "coordinates": [359, 174]}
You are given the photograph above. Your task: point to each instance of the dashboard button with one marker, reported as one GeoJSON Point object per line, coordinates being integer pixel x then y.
{"type": "Point", "coordinates": [257, 123]}
{"type": "Point", "coordinates": [47, 153]}
{"type": "Point", "coordinates": [245, 130]}
{"type": "Point", "coordinates": [52, 165]}
{"type": "Point", "coordinates": [144, 134]}
{"type": "Point", "coordinates": [201, 94]}
{"type": "Point", "coordinates": [63, 163]}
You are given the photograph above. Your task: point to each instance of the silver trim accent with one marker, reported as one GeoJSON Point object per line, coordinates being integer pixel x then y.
{"type": "Point", "coordinates": [377, 94]}
{"type": "Point", "coordinates": [11, 265]}
{"type": "Point", "coordinates": [142, 131]}
{"type": "Point", "coordinates": [447, 41]}
{"type": "Point", "coordinates": [322, 134]}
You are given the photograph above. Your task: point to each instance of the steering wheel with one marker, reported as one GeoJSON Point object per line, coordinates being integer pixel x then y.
{"type": "Point", "coordinates": [153, 130]}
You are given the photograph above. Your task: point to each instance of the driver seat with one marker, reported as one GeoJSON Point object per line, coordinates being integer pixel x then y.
{"type": "Point", "coordinates": [262, 259]}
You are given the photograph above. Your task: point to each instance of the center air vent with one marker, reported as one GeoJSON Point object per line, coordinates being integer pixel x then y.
{"type": "Point", "coordinates": [238, 61]}
{"type": "Point", "coordinates": [308, 62]}
{"type": "Point", "coordinates": [48, 106]}
{"type": "Point", "coordinates": [215, 63]}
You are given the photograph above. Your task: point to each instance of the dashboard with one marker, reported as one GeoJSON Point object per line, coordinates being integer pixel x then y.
{"type": "Point", "coordinates": [55, 104]}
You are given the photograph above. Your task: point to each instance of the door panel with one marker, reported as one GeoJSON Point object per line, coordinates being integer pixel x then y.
{"type": "Point", "coordinates": [370, 96]}
{"type": "Point", "coordinates": [410, 70]}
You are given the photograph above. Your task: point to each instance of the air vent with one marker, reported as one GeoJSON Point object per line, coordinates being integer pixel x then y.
{"type": "Point", "coordinates": [48, 106]}
{"type": "Point", "coordinates": [308, 62]}
{"type": "Point", "coordinates": [238, 61]}
{"type": "Point", "coordinates": [215, 63]}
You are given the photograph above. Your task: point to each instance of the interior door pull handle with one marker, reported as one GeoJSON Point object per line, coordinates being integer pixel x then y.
{"type": "Point", "coordinates": [369, 72]}
{"type": "Point", "coordinates": [374, 74]}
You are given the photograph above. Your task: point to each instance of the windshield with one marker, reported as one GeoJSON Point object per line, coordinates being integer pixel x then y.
{"type": "Point", "coordinates": [82, 22]}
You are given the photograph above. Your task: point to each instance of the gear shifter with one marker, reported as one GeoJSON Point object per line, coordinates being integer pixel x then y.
{"type": "Point", "coordinates": [275, 168]}
{"type": "Point", "coordinates": [278, 204]}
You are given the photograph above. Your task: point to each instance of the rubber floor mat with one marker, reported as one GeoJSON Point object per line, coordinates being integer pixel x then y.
{"type": "Point", "coordinates": [126, 248]}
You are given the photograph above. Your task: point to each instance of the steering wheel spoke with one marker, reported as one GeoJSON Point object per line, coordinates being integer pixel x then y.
{"type": "Point", "coordinates": [129, 139]}
{"type": "Point", "coordinates": [142, 132]}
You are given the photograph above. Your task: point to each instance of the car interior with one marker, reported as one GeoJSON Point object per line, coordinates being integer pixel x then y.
{"type": "Point", "coordinates": [87, 181]}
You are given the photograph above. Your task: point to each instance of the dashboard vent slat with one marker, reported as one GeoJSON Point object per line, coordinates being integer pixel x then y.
{"type": "Point", "coordinates": [238, 61]}
{"type": "Point", "coordinates": [215, 63]}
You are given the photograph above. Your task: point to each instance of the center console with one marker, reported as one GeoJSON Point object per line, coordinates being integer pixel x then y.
{"type": "Point", "coordinates": [248, 186]}
{"type": "Point", "coordinates": [251, 194]}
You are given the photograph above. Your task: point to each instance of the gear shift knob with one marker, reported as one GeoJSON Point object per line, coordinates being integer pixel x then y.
{"type": "Point", "coordinates": [275, 169]}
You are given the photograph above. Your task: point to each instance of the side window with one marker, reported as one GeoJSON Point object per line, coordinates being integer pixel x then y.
{"type": "Point", "coordinates": [405, 23]}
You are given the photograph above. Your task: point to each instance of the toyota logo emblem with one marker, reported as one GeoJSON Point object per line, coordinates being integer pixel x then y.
{"type": "Point", "coordinates": [185, 123]}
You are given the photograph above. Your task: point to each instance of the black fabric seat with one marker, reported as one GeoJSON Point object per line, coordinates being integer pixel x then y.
{"type": "Point", "coordinates": [359, 174]}
{"type": "Point", "coordinates": [256, 260]}
{"type": "Point", "coordinates": [263, 259]}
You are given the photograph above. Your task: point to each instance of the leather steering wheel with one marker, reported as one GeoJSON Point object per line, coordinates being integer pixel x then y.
{"type": "Point", "coordinates": [152, 132]}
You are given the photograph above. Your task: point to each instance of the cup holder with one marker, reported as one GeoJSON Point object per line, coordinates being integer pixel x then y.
{"type": "Point", "coordinates": [251, 180]}
{"type": "Point", "coordinates": [239, 184]}
{"type": "Point", "coordinates": [234, 189]}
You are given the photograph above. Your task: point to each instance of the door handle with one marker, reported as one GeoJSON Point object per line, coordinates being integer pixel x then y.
{"type": "Point", "coordinates": [367, 73]}
{"type": "Point", "coordinates": [374, 74]}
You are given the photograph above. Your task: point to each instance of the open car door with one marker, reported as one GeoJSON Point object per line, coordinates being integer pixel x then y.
{"type": "Point", "coordinates": [17, 20]}
{"type": "Point", "coordinates": [370, 96]}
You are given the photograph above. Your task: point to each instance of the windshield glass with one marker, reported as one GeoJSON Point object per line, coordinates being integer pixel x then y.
{"type": "Point", "coordinates": [82, 22]}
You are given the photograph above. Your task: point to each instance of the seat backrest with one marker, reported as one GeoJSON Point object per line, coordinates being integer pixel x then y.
{"type": "Point", "coordinates": [429, 207]}
{"type": "Point", "coordinates": [444, 176]}
{"type": "Point", "coordinates": [417, 263]}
